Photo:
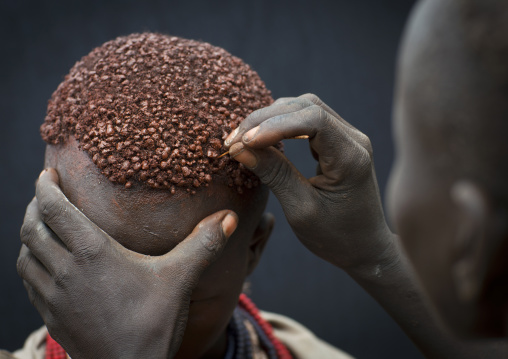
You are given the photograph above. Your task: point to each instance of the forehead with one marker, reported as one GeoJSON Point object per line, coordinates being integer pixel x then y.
{"type": "Point", "coordinates": [145, 220]}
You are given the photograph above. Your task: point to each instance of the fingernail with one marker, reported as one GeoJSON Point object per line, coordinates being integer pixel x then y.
{"type": "Point", "coordinates": [43, 171]}
{"type": "Point", "coordinates": [231, 136]}
{"type": "Point", "coordinates": [250, 134]}
{"type": "Point", "coordinates": [229, 224]}
{"type": "Point", "coordinates": [236, 149]}
{"type": "Point", "coordinates": [246, 157]}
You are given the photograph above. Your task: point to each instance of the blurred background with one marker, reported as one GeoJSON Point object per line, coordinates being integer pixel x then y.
{"type": "Point", "coordinates": [343, 51]}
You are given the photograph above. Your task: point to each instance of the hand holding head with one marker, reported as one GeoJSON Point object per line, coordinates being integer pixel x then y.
{"type": "Point", "coordinates": [134, 132]}
{"type": "Point", "coordinates": [67, 262]}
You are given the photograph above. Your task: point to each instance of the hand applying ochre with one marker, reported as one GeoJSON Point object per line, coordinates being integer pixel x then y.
{"type": "Point", "coordinates": [338, 213]}
{"type": "Point", "coordinates": [337, 210]}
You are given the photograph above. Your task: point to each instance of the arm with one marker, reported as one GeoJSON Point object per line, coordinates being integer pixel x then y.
{"type": "Point", "coordinates": [394, 285]}
{"type": "Point", "coordinates": [342, 220]}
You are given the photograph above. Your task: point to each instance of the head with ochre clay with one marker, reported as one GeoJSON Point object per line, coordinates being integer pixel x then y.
{"type": "Point", "coordinates": [135, 132]}
{"type": "Point", "coordinates": [448, 192]}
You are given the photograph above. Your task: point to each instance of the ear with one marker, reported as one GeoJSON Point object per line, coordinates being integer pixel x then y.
{"type": "Point", "coordinates": [259, 240]}
{"type": "Point", "coordinates": [479, 265]}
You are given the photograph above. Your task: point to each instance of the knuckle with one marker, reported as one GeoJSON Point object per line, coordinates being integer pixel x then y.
{"type": "Point", "coordinates": [301, 102]}
{"type": "Point", "coordinates": [366, 159]}
{"type": "Point", "coordinates": [282, 100]}
{"type": "Point", "coordinates": [366, 143]}
{"type": "Point", "coordinates": [31, 232]}
{"type": "Point", "coordinates": [353, 164]}
{"type": "Point", "coordinates": [319, 114]}
{"type": "Point", "coordinates": [363, 141]}
{"type": "Point", "coordinates": [22, 264]}
{"type": "Point", "coordinates": [253, 118]}
{"type": "Point", "coordinates": [61, 277]}
{"type": "Point", "coordinates": [20, 267]}
{"type": "Point", "coordinates": [52, 302]}
{"type": "Point", "coordinates": [275, 176]}
{"type": "Point", "coordinates": [213, 240]}
{"type": "Point", "coordinates": [304, 102]}
{"type": "Point", "coordinates": [51, 209]}
{"type": "Point", "coordinates": [312, 98]}
{"type": "Point", "coordinates": [88, 252]}
{"type": "Point", "coordinates": [360, 163]}
{"type": "Point", "coordinates": [27, 232]}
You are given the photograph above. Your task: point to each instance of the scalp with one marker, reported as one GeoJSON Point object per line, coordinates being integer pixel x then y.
{"type": "Point", "coordinates": [155, 109]}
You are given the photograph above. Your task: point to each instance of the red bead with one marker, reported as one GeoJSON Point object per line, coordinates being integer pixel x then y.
{"type": "Point", "coordinates": [250, 307]}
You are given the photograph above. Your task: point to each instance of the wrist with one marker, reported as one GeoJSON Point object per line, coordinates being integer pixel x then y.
{"type": "Point", "coordinates": [383, 256]}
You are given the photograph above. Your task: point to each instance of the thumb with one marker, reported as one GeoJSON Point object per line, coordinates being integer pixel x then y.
{"type": "Point", "coordinates": [274, 170]}
{"type": "Point", "coordinates": [205, 244]}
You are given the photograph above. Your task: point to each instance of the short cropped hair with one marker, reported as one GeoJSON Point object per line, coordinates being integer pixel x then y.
{"type": "Point", "coordinates": [155, 109]}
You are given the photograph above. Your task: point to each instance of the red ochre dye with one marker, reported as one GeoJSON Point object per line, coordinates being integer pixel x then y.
{"type": "Point", "coordinates": [155, 109]}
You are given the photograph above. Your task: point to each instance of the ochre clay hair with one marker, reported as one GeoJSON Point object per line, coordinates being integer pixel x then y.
{"type": "Point", "coordinates": [155, 109]}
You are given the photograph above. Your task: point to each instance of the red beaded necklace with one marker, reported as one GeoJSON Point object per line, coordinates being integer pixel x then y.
{"type": "Point", "coordinates": [55, 351]}
{"type": "Point", "coordinates": [247, 304]}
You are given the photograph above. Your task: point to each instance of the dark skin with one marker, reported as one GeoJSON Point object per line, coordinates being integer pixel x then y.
{"type": "Point", "coordinates": [343, 221]}
{"type": "Point", "coordinates": [438, 213]}
{"type": "Point", "coordinates": [82, 260]}
{"type": "Point", "coordinates": [361, 244]}
{"type": "Point", "coordinates": [450, 215]}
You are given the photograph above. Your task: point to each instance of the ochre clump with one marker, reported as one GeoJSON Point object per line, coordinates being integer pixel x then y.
{"type": "Point", "coordinates": [155, 109]}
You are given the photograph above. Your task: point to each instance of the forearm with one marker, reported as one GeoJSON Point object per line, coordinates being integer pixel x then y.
{"type": "Point", "coordinates": [337, 214]}
{"type": "Point", "coordinates": [392, 282]}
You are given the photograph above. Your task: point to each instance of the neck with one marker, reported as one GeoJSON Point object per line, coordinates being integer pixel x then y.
{"type": "Point", "coordinates": [216, 351]}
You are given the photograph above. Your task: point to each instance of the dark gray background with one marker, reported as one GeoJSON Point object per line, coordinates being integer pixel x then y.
{"type": "Point", "coordinates": [344, 51]}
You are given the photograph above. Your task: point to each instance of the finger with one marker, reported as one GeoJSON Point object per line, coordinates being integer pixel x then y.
{"type": "Point", "coordinates": [309, 121]}
{"type": "Point", "coordinates": [257, 117]}
{"type": "Point", "coordinates": [312, 98]}
{"type": "Point", "coordinates": [277, 172]}
{"type": "Point", "coordinates": [32, 271]}
{"type": "Point", "coordinates": [317, 101]}
{"type": "Point", "coordinates": [204, 245]}
{"type": "Point", "coordinates": [330, 139]}
{"type": "Point", "coordinates": [282, 106]}
{"type": "Point", "coordinates": [41, 240]}
{"type": "Point", "coordinates": [36, 300]}
{"type": "Point", "coordinates": [73, 228]}
{"type": "Point", "coordinates": [313, 152]}
{"type": "Point", "coordinates": [355, 134]}
{"type": "Point", "coordinates": [283, 100]}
